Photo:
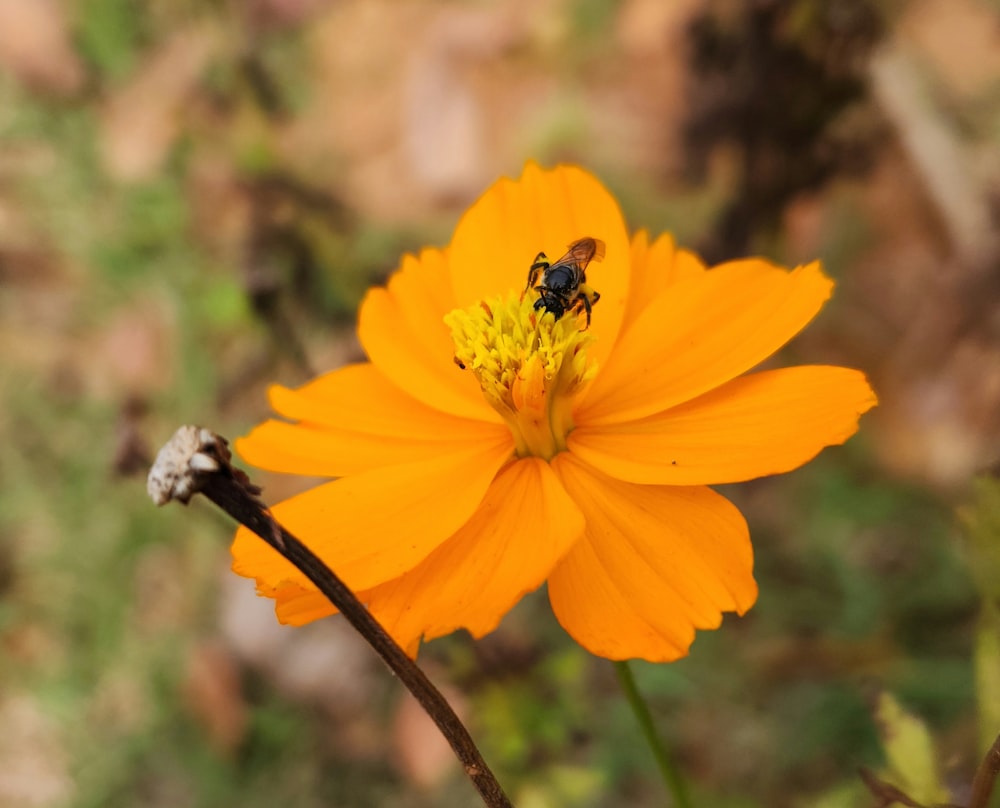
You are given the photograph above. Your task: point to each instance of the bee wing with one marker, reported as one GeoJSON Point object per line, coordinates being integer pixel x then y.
{"type": "Point", "coordinates": [583, 251]}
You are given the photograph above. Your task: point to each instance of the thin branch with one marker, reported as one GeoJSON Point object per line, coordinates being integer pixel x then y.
{"type": "Point", "coordinates": [197, 460]}
{"type": "Point", "coordinates": [986, 777]}
{"type": "Point", "coordinates": [886, 793]}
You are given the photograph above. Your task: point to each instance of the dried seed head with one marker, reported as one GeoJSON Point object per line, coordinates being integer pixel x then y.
{"type": "Point", "coordinates": [183, 462]}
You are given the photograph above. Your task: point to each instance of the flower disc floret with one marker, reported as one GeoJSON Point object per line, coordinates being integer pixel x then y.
{"type": "Point", "coordinates": [529, 365]}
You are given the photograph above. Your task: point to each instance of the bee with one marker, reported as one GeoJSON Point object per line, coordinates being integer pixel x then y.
{"type": "Point", "coordinates": [563, 286]}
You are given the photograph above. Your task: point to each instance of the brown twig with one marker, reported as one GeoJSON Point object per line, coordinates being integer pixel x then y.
{"type": "Point", "coordinates": [982, 784]}
{"type": "Point", "coordinates": [197, 460]}
{"type": "Point", "coordinates": [886, 793]}
{"type": "Point", "coordinates": [986, 776]}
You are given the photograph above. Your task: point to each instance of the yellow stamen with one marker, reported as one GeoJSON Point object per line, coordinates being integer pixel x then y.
{"type": "Point", "coordinates": [530, 366]}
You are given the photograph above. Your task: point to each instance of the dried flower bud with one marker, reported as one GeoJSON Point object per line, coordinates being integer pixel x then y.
{"type": "Point", "coordinates": [183, 461]}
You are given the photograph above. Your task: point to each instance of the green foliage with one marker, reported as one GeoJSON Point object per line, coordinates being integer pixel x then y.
{"type": "Point", "coordinates": [591, 19]}
{"type": "Point", "coordinates": [912, 761]}
{"type": "Point", "coordinates": [109, 33]}
{"type": "Point", "coordinates": [987, 673]}
{"type": "Point", "coordinates": [146, 232]}
{"type": "Point", "coordinates": [981, 520]}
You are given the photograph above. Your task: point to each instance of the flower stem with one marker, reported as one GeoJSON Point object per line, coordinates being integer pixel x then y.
{"type": "Point", "coordinates": [197, 460]}
{"type": "Point", "coordinates": [668, 769]}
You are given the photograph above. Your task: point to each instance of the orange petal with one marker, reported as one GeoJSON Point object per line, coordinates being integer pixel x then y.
{"type": "Point", "coordinates": [402, 330]}
{"type": "Point", "coordinates": [765, 423]}
{"type": "Point", "coordinates": [686, 264]}
{"type": "Point", "coordinates": [525, 524]}
{"type": "Point", "coordinates": [360, 398]}
{"type": "Point", "coordinates": [354, 420]}
{"type": "Point", "coordinates": [329, 452]}
{"type": "Point", "coordinates": [655, 563]}
{"type": "Point", "coordinates": [655, 267]}
{"type": "Point", "coordinates": [700, 333]}
{"type": "Point", "coordinates": [374, 526]}
{"type": "Point", "coordinates": [295, 605]}
{"type": "Point", "coordinates": [544, 211]}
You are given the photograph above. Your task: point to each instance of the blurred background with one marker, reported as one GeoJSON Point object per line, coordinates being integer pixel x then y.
{"type": "Point", "coordinates": [194, 195]}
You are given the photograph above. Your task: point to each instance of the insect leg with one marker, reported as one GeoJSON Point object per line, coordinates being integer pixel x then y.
{"type": "Point", "coordinates": [587, 307]}
{"type": "Point", "coordinates": [539, 265]}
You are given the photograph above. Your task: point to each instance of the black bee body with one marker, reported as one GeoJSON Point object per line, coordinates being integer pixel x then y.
{"type": "Point", "coordinates": [563, 286]}
{"type": "Point", "coordinates": [559, 291]}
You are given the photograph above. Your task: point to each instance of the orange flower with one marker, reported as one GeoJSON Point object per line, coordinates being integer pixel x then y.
{"type": "Point", "coordinates": [578, 457]}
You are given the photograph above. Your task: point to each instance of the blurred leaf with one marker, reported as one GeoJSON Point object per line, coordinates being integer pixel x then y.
{"type": "Point", "coordinates": [591, 19]}
{"type": "Point", "coordinates": [981, 521]}
{"type": "Point", "coordinates": [149, 222]}
{"type": "Point", "coordinates": [987, 665]}
{"type": "Point", "coordinates": [221, 302]}
{"type": "Point", "coordinates": [848, 795]}
{"type": "Point", "coordinates": [563, 785]}
{"type": "Point", "coordinates": [909, 748]}
{"type": "Point", "coordinates": [109, 32]}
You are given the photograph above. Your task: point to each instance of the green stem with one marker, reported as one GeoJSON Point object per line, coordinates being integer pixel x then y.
{"type": "Point", "coordinates": [669, 771]}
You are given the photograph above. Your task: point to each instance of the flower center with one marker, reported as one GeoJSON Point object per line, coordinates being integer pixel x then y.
{"type": "Point", "coordinates": [529, 364]}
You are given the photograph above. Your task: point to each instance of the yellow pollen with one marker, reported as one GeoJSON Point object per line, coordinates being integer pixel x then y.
{"type": "Point", "coordinates": [529, 365]}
